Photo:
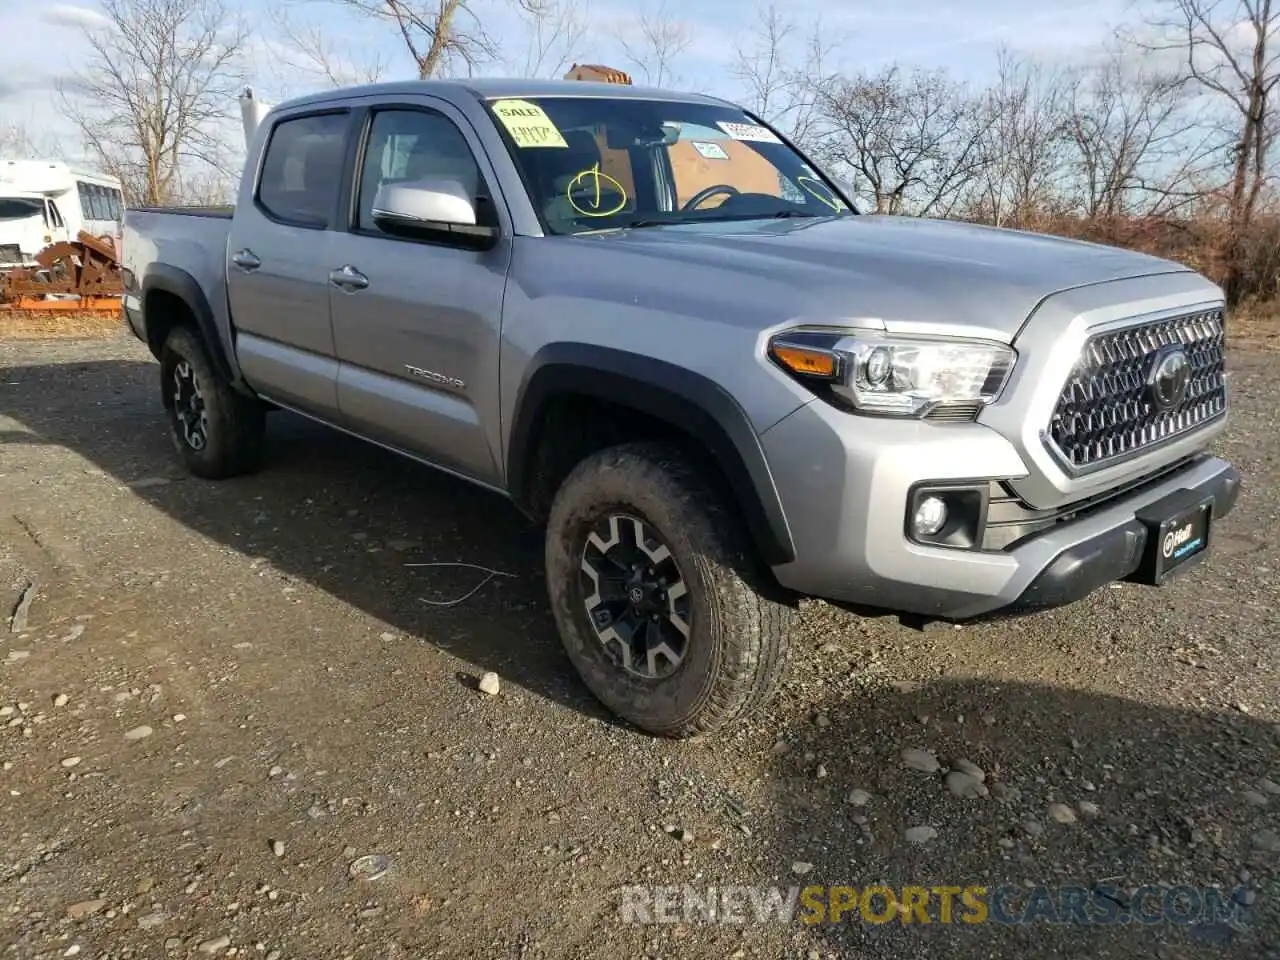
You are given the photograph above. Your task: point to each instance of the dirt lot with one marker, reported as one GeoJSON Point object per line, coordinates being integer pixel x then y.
{"type": "Point", "coordinates": [227, 693]}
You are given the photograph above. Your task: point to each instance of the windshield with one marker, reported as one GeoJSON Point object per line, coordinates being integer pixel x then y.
{"type": "Point", "coordinates": [594, 163]}
{"type": "Point", "coordinates": [19, 208]}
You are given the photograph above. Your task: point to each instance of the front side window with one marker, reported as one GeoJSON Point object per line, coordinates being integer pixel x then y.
{"type": "Point", "coordinates": [599, 162]}
{"type": "Point", "coordinates": [302, 169]}
{"type": "Point", "coordinates": [409, 145]}
{"type": "Point", "coordinates": [20, 208]}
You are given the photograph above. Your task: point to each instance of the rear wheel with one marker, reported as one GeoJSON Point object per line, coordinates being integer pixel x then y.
{"type": "Point", "coordinates": [659, 601]}
{"type": "Point", "coordinates": [217, 431]}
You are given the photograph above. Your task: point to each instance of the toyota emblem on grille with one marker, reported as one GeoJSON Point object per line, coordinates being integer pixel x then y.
{"type": "Point", "coordinates": [1170, 378]}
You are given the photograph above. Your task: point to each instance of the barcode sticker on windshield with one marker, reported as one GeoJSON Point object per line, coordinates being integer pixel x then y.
{"type": "Point", "coordinates": [528, 124]}
{"type": "Point", "coordinates": [709, 150]}
{"type": "Point", "coordinates": [749, 131]}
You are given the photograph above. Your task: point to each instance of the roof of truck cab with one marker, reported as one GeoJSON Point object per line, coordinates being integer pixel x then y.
{"type": "Point", "coordinates": [495, 88]}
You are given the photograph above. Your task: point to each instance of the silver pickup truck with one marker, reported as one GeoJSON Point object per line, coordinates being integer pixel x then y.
{"type": "Point", "coordinates": [662, 330]}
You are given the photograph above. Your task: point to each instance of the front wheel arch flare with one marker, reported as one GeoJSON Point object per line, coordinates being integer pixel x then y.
{"type": "Point", "coordinates": [689, 402]}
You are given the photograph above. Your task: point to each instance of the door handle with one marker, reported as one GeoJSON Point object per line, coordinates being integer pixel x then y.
{"type": "Point", "coordinates": [348, 278]}
{"type": "Point", "coordinates": [246, 260]}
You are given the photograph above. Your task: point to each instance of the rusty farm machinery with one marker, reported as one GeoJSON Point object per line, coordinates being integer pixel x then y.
{"type": "Point", "coordinates": [81, 275]}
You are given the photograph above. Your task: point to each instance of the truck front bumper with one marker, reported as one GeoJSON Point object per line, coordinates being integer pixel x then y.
{"type": "Point", "coordinates": [845, 482]}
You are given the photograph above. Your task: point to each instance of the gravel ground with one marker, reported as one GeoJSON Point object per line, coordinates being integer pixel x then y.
{"type": "Point", "coordinates": [225, 694]}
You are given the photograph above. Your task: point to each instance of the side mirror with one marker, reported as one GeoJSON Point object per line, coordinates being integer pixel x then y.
{"type": "Point", "coordinates": [431, 210]}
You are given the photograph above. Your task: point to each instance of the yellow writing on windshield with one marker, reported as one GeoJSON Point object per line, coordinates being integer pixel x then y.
{"type": "Point", "coordinates": [528, 124]}
{"type": "Point", "coordinates": [820, 191]}
{"type": "Point", "coordinates": [590, 184]}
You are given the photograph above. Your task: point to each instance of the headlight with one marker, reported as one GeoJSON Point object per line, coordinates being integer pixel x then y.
{"type": "Point", "coordinates": [897, 376]}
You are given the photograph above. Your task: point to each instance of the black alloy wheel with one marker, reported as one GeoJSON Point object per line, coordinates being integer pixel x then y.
{"type": "Point", "coordinates": [635, 596]}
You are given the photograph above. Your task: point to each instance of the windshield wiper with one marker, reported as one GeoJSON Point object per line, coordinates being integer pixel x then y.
{"type": "Point", "coordinates": [724, 218]}
{"type": "Point", "coordinates": [651, 222]}
{"type": "Point", "coordinates": [729, 217]}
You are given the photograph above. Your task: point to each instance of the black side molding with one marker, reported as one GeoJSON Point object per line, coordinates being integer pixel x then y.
{"type": "Point", "coordinates": [688, 401]}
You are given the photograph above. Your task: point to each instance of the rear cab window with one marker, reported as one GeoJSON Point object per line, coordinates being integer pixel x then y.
{"type": "Point", "coordinates": [302, 169]}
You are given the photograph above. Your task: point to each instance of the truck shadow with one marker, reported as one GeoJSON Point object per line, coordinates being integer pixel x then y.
{"type": "Point", "coordinates": [333, 511]}
{"type": "Point", "coordinates": [1170, 798]}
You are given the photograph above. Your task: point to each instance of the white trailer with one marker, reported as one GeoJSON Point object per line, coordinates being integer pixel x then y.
{"type": "Point", "coordinates": [47, 201]}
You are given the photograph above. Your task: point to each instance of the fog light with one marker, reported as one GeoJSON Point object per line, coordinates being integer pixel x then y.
{"type": "Point", "coordinates": [930, 516]}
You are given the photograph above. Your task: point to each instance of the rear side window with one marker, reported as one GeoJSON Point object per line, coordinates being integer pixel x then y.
{"type": "Point", "coordinates": [303, 169]}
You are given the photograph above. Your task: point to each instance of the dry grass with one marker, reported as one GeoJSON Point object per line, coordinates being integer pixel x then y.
{"type": "Point", "coordinates": [59, 324]}
{"type": "Point", "coordinates": [1204, 244]}
{"type": "Point", "coordinates": [1255, 325]}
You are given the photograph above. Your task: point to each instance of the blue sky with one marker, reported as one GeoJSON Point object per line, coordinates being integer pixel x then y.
{"type": "Point", "coordinates": [43, 41]}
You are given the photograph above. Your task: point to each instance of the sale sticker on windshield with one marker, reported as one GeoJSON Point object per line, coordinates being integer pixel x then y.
{"type": "Point", "coordinates": [528, 124]}
{"type": "Point", "coordinates": [751, 132]}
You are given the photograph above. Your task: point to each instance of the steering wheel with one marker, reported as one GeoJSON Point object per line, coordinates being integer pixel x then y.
{"type": "Point", "coordinates": [727, 189]}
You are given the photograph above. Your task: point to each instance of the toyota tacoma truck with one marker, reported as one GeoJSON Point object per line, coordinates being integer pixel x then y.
{"type": "Point", "coordinates": [666, 333]}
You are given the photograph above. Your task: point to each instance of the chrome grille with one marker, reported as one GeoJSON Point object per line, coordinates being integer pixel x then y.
{"type": "Point", "coordinates": [1106, 411]}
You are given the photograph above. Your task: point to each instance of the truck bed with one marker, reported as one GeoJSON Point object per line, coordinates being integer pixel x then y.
{"type": "Point", "coordinates": [187, 240]}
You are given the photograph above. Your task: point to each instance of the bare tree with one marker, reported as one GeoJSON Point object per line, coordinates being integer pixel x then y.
{"type": "Point", "coordinates": [208, 188]}
{"type": "Point", "coordinates": [782, 71]}
{"type": "Point", "coordinates": [913, 142]}
{"type": "Point", "coordinates": [1135, 141]}
{"type": "Point", "coordinates": [763, 69]}
{"type": "Point", "coordinates": [1025, 143]}
{"type": "Point", "coordinates": [442, 36]}
{"type": "Point", "coordinates": [18, 142]}
{"type": "Point", "coordinates": [309, 51]}
{"type": "Point", "coordinates": [1231, 51]}
{"type": "Point", "coordinates": [159, 83]}
{"type": "Point", "coordinates": [555, 31]}
{"type": "Point", "coordinates": [652, 44]}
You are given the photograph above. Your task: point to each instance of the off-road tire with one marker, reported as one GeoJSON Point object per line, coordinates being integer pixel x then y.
{"type": "Point", "coordinates": [234, 424]}
{"type": "Point", "coordinates": [736, 649]}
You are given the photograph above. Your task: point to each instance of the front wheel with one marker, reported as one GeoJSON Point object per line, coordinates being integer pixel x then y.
{"type": "Point", "coordinates": [659, 601]}
{"type": "Point", "coordinates": [218, 432]}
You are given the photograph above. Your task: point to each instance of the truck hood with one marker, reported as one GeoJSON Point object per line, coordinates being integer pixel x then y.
{"type": "Point", "coordinates": [898, 270]}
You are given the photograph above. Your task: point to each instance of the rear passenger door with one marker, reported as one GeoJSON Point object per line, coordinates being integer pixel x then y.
{"type": "Point", "coordinates": [418, 331]}
{"type": "Point", "coordinates": [278, 251]}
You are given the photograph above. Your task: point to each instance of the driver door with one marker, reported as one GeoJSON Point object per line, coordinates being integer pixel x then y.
{"type": "Point", "coordinates": [417, 323]}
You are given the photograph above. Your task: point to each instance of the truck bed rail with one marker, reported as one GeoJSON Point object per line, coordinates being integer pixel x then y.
{"type": "Point", "coordinates": [222, 212]}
